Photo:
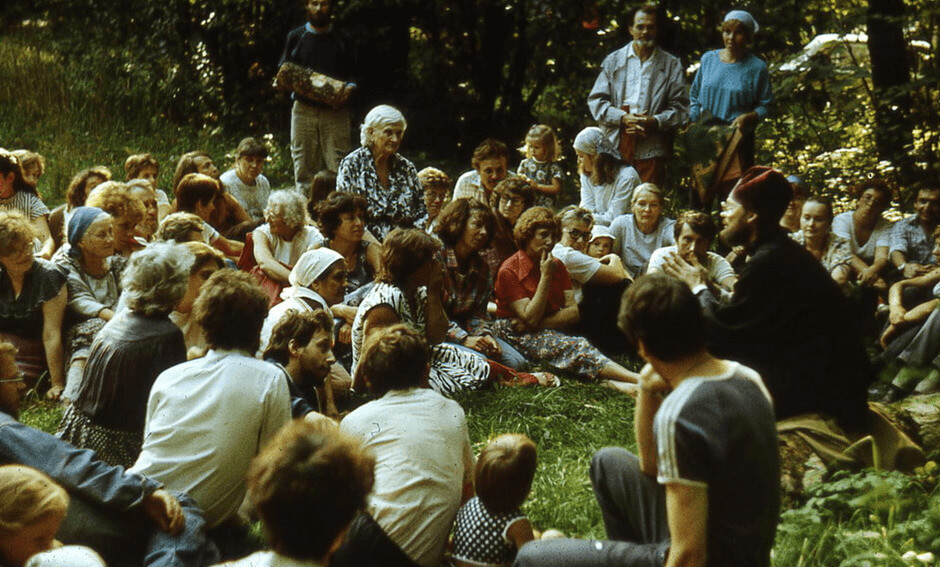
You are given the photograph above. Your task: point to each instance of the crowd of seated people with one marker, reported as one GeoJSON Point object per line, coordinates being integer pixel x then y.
{"type": "Point", "coordinates": [183, 329]}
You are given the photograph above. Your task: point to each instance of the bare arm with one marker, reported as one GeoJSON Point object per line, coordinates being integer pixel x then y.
{"type": "Point", "coordinates": [436, 318]}
{"type": "Point", "coordinates": [648, 400]}
{"type": "Point", "coordinates": [520, 532]}
{"type": "Point", "coordinates": [611, 271]}
{"type": "Point", "coordinates": [374, 256]}
{"type": "Point", "coordinates": [228, 247]}
{"type": "Point", "coordinates": [41, 226]}
{"type": "Point", "coordinates": [687, 512]}
{"type": "Point", "coordinates": [266, 260]}
{"type": "Point", "coordinates": [564, 317]}
{"type": "Point", "coordinates": [378, 318]}
{"type": "Point", "coordinates": [53, 312]}
{"type": "Point", "coordinates": [531, 311]}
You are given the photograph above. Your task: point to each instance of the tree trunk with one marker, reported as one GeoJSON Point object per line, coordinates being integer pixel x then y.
{"type": "Point", "coordinates": [891, 75]}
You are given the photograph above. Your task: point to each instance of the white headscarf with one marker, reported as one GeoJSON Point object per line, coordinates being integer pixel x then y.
{"type": "Point", "coordinates": [308, 269]}
{"type": "Point", "coordinates": [745, 18]}
{"type": "Point", "coordinates": [592, 141]}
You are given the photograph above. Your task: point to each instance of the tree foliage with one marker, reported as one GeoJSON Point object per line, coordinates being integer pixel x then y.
{"type": "Point", "coordinates": [465, 69]}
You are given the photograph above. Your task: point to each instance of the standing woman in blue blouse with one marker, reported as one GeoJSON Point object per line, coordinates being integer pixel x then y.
{"type": "Point", "coordinates": [732, 86]}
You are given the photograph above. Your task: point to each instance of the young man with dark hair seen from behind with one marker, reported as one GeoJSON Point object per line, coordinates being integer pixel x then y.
{"type": "Point", "coordinates": [705, 486]}
{"type": "Point", "coordinates": [208, 418]}
{"type": "Point", "coordinates": [307, 485]}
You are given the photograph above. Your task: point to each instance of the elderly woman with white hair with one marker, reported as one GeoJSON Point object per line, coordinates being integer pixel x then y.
{"type": "Point", "coordinates": [606, 182]}
{"type": "Point", "coordinates": [279, 242]}
{"type": "Point", "coordinates": [317, 281]}
{"type": "Point", "coordinates": [388, 181]}
{"type": "Point", "coordinates": [132, 349]}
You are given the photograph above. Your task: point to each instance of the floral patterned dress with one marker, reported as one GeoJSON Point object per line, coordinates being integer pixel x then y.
{"type": "Point", "coordinates": [400, 205]}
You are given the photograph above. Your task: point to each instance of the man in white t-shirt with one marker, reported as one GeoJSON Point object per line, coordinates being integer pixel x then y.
{"type": "Point", "coordinates": [424, 464]}
{"type": "Point", "coordinates": [208, 418]}
{"type": "Point", "coordinates": [695, 233]}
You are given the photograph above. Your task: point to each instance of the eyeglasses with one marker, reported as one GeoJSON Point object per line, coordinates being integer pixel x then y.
{"type": "Point", "coordinates": [576, 234]}
{"type": "Point", "coordinates": [20, 377]}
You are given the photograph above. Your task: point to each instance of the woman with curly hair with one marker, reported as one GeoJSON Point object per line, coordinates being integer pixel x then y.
{"type": "Point", "coordinates": [342, 218]}
{"type": "Point", "coordinates": [509, 199]}
{"type": "Point", "coordinates": [33, 297]}
{"type": "Point", "coordinates": [535, 303]}
{"type": "Point", "coordinates": [75, 196]}
{"type": "Point", "coordinates": [466, 227]}
{"type": "Point", "coordinates": [127, 210]}
{"type": "Point", "coordinates": [128, 354]}
{"type": "Point", "coordinates": [279, 242]}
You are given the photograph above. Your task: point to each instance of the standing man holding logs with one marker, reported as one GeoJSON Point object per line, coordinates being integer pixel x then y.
{"type": "Point", "coordinates": [640, 98]}
{"type": "Point", "coordinates": [317, 66]}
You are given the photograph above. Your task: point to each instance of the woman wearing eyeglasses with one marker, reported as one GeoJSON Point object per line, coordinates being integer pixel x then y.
{"type": "Point", "coordinates": [597, 283]}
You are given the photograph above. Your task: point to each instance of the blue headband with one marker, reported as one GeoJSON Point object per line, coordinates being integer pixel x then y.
{"type": "Point", "coordinates": [81, 219]}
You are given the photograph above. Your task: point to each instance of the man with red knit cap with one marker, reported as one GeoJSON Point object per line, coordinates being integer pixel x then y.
{"type": "Point", "coordinates": [786, 318]}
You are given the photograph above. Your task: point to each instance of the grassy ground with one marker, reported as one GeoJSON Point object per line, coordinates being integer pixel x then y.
{"type": "Point", "coordinates": [856, 519]}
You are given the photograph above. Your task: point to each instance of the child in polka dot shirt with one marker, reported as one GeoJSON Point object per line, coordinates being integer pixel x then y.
{"type": "Point", "coordinates": [489, 528]}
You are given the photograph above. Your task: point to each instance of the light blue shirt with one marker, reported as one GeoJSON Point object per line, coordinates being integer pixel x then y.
{"type": "Point", "coordinates": [729, 89]}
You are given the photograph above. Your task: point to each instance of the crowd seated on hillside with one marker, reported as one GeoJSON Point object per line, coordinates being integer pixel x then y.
{"type": "Point", "coordinates": [182, 329]}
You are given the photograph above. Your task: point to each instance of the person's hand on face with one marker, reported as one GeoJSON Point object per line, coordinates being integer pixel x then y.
{"type": "Point", "coordinates": [547, 264]}
{"type": "Point", "coordinates": [691, 273]}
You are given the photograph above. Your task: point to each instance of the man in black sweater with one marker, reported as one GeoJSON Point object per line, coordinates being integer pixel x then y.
{"type": "Point", "coordinates": [319, 133]}
{"type": "Point", "coordinates": [787, 319]}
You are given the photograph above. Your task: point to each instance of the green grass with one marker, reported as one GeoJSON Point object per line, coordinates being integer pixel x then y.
{"type": "Point", "coordinates": [39, 112]}
{"type": "Point", "coordinates": [568, 424]}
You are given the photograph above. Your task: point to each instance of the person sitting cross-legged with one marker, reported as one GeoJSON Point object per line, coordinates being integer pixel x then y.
{"type": "Point", "coordinates": [704, 488]}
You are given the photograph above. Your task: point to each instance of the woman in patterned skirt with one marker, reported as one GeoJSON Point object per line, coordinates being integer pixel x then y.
{"type": "Point", "coordinates": [535, 303]}
{"type": "Point", "coordinates": [408, 290]}
{"type": "Point", "coordinates": [128, 354]}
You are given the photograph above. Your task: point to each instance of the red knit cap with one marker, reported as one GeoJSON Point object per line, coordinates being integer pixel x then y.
{"type": "Point", "coordinates": [765, 191]}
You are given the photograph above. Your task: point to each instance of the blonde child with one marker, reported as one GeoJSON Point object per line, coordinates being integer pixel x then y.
{"type": "Point", "coordinates": [602, 242]}
{"type": "Point", "coordinates": [540, 167]}
{"type": "Point", "coordinates": [489, 528]}
{"type": "Point", "coordinates": [32, 506]}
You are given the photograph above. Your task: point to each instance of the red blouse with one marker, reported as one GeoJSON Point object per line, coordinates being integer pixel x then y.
{"type": "Point", "coordinates": [518, 278]}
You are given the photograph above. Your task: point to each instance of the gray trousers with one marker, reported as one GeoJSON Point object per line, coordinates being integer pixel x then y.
{"type": "Point", "coordinates": [634, 509]}
{"type": "Point", "coordinates": [319, 138]}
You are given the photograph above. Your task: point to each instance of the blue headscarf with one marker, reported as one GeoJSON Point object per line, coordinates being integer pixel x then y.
{"type": "Point", "coordinates": [81, 219]}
